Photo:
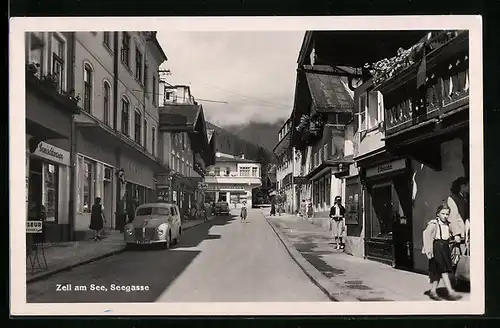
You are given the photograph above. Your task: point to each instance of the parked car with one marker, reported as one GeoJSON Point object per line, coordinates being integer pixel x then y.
{"type": "Point", "coordinates": [154, 223]}
{"type": "Point", "coordinates": [222, 208]}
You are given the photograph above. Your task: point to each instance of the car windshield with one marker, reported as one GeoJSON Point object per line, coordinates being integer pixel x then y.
{"type": "Point", "coordinates": [152, 211]}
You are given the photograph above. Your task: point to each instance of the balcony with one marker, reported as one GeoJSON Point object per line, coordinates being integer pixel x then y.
{"type": "Point", "coordinates": [442, 98]}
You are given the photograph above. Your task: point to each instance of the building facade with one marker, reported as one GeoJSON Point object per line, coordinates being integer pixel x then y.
{"type": "Point", "coordinates": [231, 179]}
{"type": "Point", "coordinates": [186, 147]}
{"type": "Point", "coordinates": [287, 167]}
{"type": "Point", "coordinates": [116, 74]}
{"type": "Point", "coordinates": [50, 105]}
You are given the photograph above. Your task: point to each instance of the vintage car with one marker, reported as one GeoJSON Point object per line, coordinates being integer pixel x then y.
{"type": "Point", "coordinates": [222, 208]}
{"type": "Point", "coordinates": [154, 223]}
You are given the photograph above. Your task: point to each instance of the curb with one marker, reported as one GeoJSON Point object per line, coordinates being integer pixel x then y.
{"type": "Point", "coordinates": [48, 274]}
{"type": "Point", "coordinates": [327, 286]}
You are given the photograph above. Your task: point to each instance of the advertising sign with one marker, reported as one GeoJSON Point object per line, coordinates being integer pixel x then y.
{"type": "Point", "coordinates": [34, 227]}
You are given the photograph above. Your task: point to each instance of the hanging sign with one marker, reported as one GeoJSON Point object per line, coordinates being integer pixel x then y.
{"type": "Point", "coordinates": [34, 227]}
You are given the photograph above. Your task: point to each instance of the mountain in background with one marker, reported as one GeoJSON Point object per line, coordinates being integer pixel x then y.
{"type": "Point", "coordinates": [260, 133]}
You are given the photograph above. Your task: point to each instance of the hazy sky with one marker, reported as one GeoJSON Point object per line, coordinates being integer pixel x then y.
{"type": "Point", "coordinates": [254, 72]}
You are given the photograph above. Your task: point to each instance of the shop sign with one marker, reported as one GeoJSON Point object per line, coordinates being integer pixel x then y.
{"type": "Point", "coordinates": [34, 227]}
{"type": "Point", "coordinates": [386, 168]}
{"type": "Point", "coordinates": [52, 153]}
{"type": "Point", "coordinates": [224, 187]}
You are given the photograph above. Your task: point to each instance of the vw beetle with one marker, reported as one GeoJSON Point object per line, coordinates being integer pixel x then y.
{"type": "Point", "coordinates": [154, 223]}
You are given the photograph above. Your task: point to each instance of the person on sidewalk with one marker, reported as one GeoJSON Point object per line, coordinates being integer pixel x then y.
{"type": "Point", "coordinates": [436, 247]}
{"type": "Point", "coordinates": [459, 206]}
{"type": "Point", "coordinates": [273, 209]}
{"type": "Point", "coordinates": [310, 209]}
{"type": "Point", "coordinates": [243, 213]}
{"type": "Point", "coordinates": [303, 209]}
{"type": "Point", "coordinates": [97, 219]}
{"type": "Point", "coordinates": [337, 212]}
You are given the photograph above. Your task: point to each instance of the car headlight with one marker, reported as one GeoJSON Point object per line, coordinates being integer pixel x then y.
{"type": "Point", "coordinates": [129, 232]}
{"type": "Point", "coordinates": [159, 232]}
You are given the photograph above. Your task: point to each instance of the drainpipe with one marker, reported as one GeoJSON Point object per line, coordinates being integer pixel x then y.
{"type": "Point", "coordinates": [115, 79]}
{"type": "Point", "coordinates": [73, 155]}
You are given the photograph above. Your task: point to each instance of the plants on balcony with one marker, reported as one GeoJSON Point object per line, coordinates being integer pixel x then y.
{"type": "Point", "coordinates": [310, 128]}
{"type": "Point", "coordinates": [386, 68]}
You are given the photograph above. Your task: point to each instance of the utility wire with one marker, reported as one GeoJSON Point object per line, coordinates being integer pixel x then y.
{"type": "Point", "coordinates": [207, 100]}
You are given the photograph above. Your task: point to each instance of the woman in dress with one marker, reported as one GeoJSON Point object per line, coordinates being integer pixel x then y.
{"type": "Point", "coordinates": [436, 239]}
{"type": "Point", "coordinates": [97, 219]}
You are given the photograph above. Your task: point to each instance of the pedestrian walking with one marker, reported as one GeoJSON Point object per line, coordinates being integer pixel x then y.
{"type": "Point", "coordinates": [459, 211]}
{"type": "Point", "coordinates": [337, 212]}
{"type": "Point", "coordinates": [97, 219]}
{"type": "Point", "coordinates": [310, 209]}
{"type": "Point", "coordinates": [303, 209]}
{"type": "Point", "coordinates": [273, 209]}
{"type": "Point", "coordinates": [243, 212]}
{"type": "Point", "coordinates": [436, 237]}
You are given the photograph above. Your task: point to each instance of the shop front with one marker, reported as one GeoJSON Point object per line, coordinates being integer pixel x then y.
{"type": "Point", "coordinates": [48, 186]}
{"type": "Point", "coordinates": [388, 213]}
{"type": "Point", "coordinates": [234, 194]}
{"type": "Point", "coordinates": [95, 177]}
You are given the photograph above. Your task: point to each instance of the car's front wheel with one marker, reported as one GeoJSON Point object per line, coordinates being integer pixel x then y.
{"type": "Point", "coordinates": [166, 244]}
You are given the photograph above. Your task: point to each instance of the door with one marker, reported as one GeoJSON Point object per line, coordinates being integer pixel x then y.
{"type": "Point", "coordinates": [108, 203]}
{"type": "Point", "coordinates": [402, 224]}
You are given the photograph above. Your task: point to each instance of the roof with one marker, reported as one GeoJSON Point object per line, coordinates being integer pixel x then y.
{"type": "Point", "coordinates": [328, 92]}
{"type": "Point", "coordinates": [234, 160]}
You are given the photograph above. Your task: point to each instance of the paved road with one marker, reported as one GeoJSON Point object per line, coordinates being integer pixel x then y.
{"type": "Point", "coordinates": [221, 260]}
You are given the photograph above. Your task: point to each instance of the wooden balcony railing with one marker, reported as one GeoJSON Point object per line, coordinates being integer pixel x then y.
{"type": "Point", "coordinates": [446, 89]}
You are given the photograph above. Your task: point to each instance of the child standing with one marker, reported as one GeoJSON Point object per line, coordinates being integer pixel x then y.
{"type": "Point", "coordinates": [436, 239]}
{"type": "Point", "coordinates": [243, 213]}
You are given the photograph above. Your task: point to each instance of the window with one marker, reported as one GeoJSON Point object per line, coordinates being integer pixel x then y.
{"type": "Point", "coordinates": [146, 68]}
{"type": "Point", "coordinates": [106, 99]}
{"type": "Point", "coordinates": [245, 171]}
{"type": "Point", "coordinates": [154, 90]}
{"type": "Point", "coordinates": [125, 116]}
{"type": "Point", "coordinates": [87, 92]}
{"type": "Point", "coordinates": [125, 55]}
{"type": "Point", "coordinates": [254, 171]}
{"type": "Point", "coordinates": [373, 111]}
{"type": "Point", "coordinates": [36, 50]}
{"type": "Point", "coordinates": [228, 171]}
{"type": "Point", "coordinates": [362, 112]}
{"type": "Point", "coordinates": [184, 141]}
{"type": "Point", "coordinates": [58, 60]}
{"type": "Point", "coordinates": [50, 187]}
{"type": "Point", "coordinates": [137, 126]}
{"type": "Point", "coordinates": [107, 39]}
{"type": "Point", "coordinates": [87, 185]}
{"type": "Point", "coordinates": [325, 152]}
{"type": "Point", "coordinates": [138, 65]}
{"type": "Point", "coordinates": [153, 141]}
{"type": "Point", "coordinates": [145, 133]}
{"type": "Point", "coordinates": [320, 158]}
{"type": "Point", "coordinates": [217, 171]}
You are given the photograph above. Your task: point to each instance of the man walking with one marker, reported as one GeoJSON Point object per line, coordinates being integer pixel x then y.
{"type": "Point", "coordinates": [337, 212]}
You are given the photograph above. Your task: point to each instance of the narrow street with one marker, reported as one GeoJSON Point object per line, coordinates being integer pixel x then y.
{"type": "Point", "coordinates": [223, 260]}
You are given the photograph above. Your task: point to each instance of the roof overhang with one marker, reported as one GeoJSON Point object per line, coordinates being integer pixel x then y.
{"type": "Point", "coordinates": [336, 165]}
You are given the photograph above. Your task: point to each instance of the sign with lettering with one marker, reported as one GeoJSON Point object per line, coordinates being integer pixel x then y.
{"type": "Point", "coordinates": [386, 168]}
{"type": "Point", "coordinates": [52, 153]}
{"type": "Point", "coordinates": [224, 187]}
{"type": "Point", "coordinates": [34, 227]}
{"type": "Point", "coordinates": [137, 172]}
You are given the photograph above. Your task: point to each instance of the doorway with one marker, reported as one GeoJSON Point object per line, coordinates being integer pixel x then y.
{"type": "Point", "coordinates": [108, 204]}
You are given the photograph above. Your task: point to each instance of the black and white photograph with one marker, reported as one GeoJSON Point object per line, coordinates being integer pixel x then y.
{"type": "Point", "coordinates": [292, 166]}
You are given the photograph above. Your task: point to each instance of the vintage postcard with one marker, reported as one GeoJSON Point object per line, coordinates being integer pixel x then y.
{"type": "Point", "coordinates": [246, 166]}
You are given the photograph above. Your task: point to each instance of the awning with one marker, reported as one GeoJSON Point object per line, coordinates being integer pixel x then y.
{"type": "Point", "coordinates": [327, 166]}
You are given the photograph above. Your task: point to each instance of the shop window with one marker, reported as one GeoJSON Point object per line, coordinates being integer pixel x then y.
{"type": "Point", "coordinates": [353, 203]}
{"type": "Point", "coordinates": [50, 187]}
{"type": "Point", "coordinates": [87, 88]}
{"type": "Point", "coordinates": [381, 212]}
{"type": "Point", "coordinates": [137, 126]}
{"type": "Point", "coordinates": [106, 102]}
{"type": "Point", "coordinates": [59, 60]}
{"type": "Point", "coordinates": [88, 174]}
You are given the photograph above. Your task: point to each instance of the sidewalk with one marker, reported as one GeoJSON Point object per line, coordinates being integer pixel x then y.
{"type": "Point", "coordinates": [341, 276]}
{"type": "Point", "coordinates": [68, 255]}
